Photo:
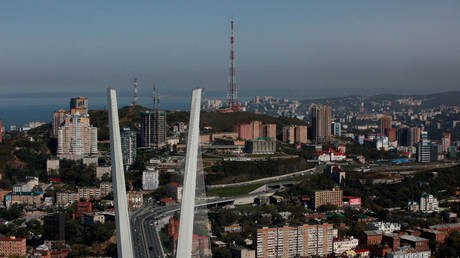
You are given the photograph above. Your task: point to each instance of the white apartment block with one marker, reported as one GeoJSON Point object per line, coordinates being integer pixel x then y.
{"type": "Point", "coordinates": [386, 227]}
{"type": "Point", "coordinates": [150, 180]}
{"type": "Point", "coordinates": [429, 203]}
{"type": "Point", "coordinates": [343, 245]}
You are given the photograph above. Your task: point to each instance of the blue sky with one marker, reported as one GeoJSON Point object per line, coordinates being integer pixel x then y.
{"type": "Point", "coordinates": [49, 46]}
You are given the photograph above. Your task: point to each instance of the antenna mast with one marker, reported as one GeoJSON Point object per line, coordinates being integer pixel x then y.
{"type": "Point", "coordinates": [232, 95]}
{"type": "Point", "coordinates": [135, 97]}
{"type": "Point", "coordinates": [154, 96]}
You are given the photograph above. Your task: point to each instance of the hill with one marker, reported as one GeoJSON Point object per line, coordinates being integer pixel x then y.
{"type": "Point", "coordinates": [429, 100]}
{"type": "Point", "coordinates": [220, 122]}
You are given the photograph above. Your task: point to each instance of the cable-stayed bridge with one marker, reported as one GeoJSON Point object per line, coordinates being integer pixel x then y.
{"type": "Point", "coordinates": [193, 191]}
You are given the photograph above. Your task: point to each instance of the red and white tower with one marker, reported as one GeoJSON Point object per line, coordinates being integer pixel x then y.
{"type": "Point", "coordinates": [232, 92]}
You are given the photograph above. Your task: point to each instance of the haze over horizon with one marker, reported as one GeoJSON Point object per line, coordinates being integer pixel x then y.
{"type": "Point", "coordinates": [87, 46]}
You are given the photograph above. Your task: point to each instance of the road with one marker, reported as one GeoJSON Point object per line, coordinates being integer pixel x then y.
{"type": "Point", "coordinates": [266, 179]}
{"type": "Point", "coordinates": [146, 240]}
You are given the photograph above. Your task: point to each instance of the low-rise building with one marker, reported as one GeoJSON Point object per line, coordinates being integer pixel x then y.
{"type": "Point", "coordinates": [26, 186]}
{"type": "Point", "coordinates": [392, 240]}
{"type": "Point", "coordinates": [432, 234]}
{"type": "Point", "coordinates": [386, 227]}
{"type": "Point", "coordinates": [66, 198]}
{"type": "Point", "coordinates": [328, 197]}
{"type": "Point", "coordinates": [135, 200]}
{"type": "Point", "coordinates": [10, 246]}
{"type": "Point", "coordinates": [52, 165]}
{"type": "Point", "coordinates": [407, 252]}
{"type": "Point", "coordinates": [371, 237]}
{"type": "Point", "coordinates": [91, 218]}
{"type": "Point", "coordinates": [235, 228]}
{"type": "Point", "coordinates": [32, 199]}
{"type": "Point", "coordinates": [175, 191]}
{"type": "Point", "coordinates": [341, 245]}
{"type": "Point", "coordinates": [446, 227]}
{"type": "Point", "coordinates": [413, 206]}
{"type": "Point", "coordinates": [95, 193]}
{"type": "Point", "coordinates": [242, 252]}
{"type": "Point", "coordinates": [418, 243]}
{"type": "Point", "coordinates": [103, 171]}
{"type": "Point", "coordinates": [167, 201]}
{"type": "Point", "coordinates": [260, 146]}
{"type": "Point", "coordinates": [82, 209]}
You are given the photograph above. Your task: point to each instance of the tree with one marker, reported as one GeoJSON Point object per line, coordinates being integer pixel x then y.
{"type": "Point", "coordinates": [221, 252]}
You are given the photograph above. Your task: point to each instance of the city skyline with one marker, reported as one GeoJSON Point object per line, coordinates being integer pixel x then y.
{"type": "Point", "coordinates": [325, 129]}
{"type": "Point", "coordinates": [182, 45]}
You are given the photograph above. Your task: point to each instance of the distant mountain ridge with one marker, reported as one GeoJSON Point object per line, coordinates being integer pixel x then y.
{"type": "Point", "coordinates": [428, 100]}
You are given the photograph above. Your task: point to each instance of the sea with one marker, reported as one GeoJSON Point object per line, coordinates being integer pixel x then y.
{"type": "Point", "coordinates": [19, 110]}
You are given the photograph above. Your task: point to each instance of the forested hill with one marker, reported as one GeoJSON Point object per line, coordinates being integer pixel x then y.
{"type": "Point", "coordinates": [220, 122]}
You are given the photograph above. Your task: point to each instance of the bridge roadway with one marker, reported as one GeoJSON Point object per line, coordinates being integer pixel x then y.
{"type": "Point", "coordinates": [309, 171]}
{"type": "Point", "coordinates": [145, 235]}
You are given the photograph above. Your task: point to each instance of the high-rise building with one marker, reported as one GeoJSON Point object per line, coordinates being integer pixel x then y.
{"type": "Point", "coordinates": [255, 129]}
{"type": "Point", "coordinates": [128, 146]}
{"type": "Point", "coordinates": [301, 134]}
{"type": "Point", "coordinates": [153, 129]}
{"type": "Point", "coordinates": [328, 197]}
{"type": "Point", "coordinates": [446, 139]}
{"type": "Point", "coordinates": [77, 138]}
{"type": "Point", "coordinates": [424, 149]}
{"type": "Point", "coordinates": [295, 241]}
{"type": "Point", "coordinates": [288, 134]}
{"type": "Point", "coordinates": [79, 105]}
{"type": "Point", "coordinates": [336, 129]}
{"type": "Point", "coordinates": [58, 120]}
{"type": "Point", "coordinates": [408, 136]}
{"type": "Point", "coordinates": [428, 203]}
{"type": "Point", "coordinates": [269, 131]}
{"type": "Point", "coordinates": [150, 180]}
{"type": "Point", "coordinates": [415, 134]}
{"type": "Point", "coordinates": [244, 131]}
{"type": "Point", "coordinates": [320, 122]}
{"type": "Point", "coordinates": [385, 122]}
{"type": "Point", "coordinates": [10, 246]}
{"type": "Point", "coordinates": [54, 225]}
{"type": "Point", "coordinates": [390, 133]}
{"type": "Point", "coordinates": [295, 134]}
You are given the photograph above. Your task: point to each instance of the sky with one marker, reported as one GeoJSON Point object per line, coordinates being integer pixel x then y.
{"type": "Point", "coordinates": [87, 46]}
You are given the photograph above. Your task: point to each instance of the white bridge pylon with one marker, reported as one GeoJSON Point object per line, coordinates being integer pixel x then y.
{"type": "Point", "coordinates": [124, 239]}
{"type": "Point", "coordinates": [187, 211]}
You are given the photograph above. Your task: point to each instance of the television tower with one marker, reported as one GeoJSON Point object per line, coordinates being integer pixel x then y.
{"type": "Point", "coordinates": [135, 97]}
{"type": "Point", "coordinates": [232, 95]}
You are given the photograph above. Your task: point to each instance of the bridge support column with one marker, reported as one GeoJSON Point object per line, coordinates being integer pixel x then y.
{"type": "Point", "coordinates": [124, 238]}
{"type": "Point", "coordinates": [187, 212]}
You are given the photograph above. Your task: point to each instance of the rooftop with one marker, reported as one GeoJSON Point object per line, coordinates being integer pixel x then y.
{"type": "Point", "coordinates": [373, 232]}
{"type": "Point", "coordinates": [11, 239]}
{"type": "Point", "coordinates": [413, 238]}
{"type": "Point", "coordinates": [446, 226]}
